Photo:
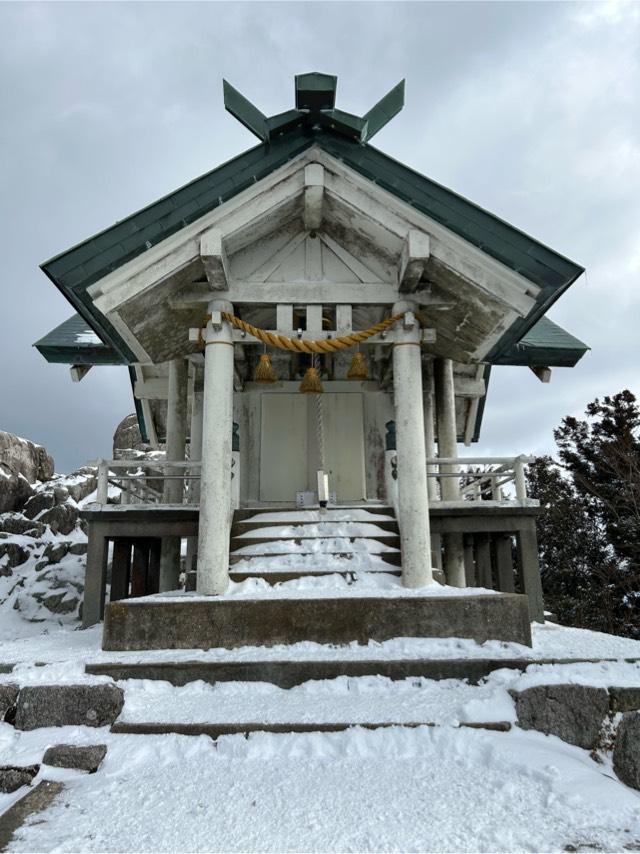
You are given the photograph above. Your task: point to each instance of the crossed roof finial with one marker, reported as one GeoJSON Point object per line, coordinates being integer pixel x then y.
{"type": "Point", "coordinates": [315, 109]}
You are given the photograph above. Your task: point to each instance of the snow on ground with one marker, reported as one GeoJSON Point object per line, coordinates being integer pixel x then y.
{"type": "Point", "coordinates": [387, 790]}
{"type": "Point", "coordinates": [550, 641]}
{"type": "Point", "coordinates": [329, 586]}
{"type": "Point", "coordinates": [362, 699]}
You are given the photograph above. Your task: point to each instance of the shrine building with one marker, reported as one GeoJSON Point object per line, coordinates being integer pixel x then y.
{"type": "Point", "coordinates": [310, 330]}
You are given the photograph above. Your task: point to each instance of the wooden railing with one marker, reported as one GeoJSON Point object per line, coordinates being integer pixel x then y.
{"type": "Point", "coordinates": [145, 481]}
{"type": "Point", "coordinates": [483, 478]}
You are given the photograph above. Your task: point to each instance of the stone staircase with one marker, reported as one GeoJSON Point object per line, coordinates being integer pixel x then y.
{"type": "Point", "coordinates": [291, 544]}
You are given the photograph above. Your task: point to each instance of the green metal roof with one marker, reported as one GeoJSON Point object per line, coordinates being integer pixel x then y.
{"type": "Point", "coordinates": [545, 345]}
{"type": "Point", "coordinates": [74, 270]}
{"type": "Point", "coordinates": [75, 343]}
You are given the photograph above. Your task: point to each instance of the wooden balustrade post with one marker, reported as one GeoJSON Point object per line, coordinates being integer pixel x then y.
{"type": "Point", "coordinates": [175, 452]}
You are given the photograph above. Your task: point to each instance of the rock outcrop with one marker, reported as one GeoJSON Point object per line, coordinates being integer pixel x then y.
{"type": "Point", "coordinates": [22, 464]}
{"type": "Point", "coordinates": [15, 489]}
{"type": "Point", "coordinates": [127, 436]}
{"type": "Point", "coordinates": [25, 458]}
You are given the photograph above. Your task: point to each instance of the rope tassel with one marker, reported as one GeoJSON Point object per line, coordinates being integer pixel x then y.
{"type": "Point", "coordinates": [358, 369]}
{"type": "Point", "coordinates": [264, 372]}
{"type": "Point", "coordinates": [311, 382]}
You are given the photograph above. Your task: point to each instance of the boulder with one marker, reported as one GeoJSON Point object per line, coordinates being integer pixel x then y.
{"type": "Point", "coordinates": [61, 494]}
{"type": "Point", "coordinates": [127, 435]}
{"type": "Point", "coordinates": [15, 489]}
{"type": "Point", "coordinates": [61, 519]}
{"type": "Point", "coordinates": [65, 602]}
{"type": "Point", "coordinates": [575, 713]}
{"type": "Point", "coordinates": [71, 756]}
{"type": "Point", "coordinates": [26, 458]}
{"type": "Point", "coordinates": [12, 555]}
{"type": "Point", "coordinates": [17, 523]}
{"type": "Point", "coordinates": [81, 482]}
{"type": "Point", "coordinates": [626, 752]}
{"type": "Point", "coordinates": [78, 548]}
{"type": "Point", "coordinates": [68, 705]}
{"type": "Point", "coordinates": [40, 502]}
{"type": "Point", "coordinates": [54, 552]}
{"type": "Point", "coordinates": [12, 777]}
{"type": "Point", "coordinates": [624, 699]}
{"type": "Point", "coordinates": [8, 697]}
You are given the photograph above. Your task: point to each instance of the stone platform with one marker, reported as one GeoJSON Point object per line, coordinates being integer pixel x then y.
{"type": "Point", "coordinates": [193, 622]}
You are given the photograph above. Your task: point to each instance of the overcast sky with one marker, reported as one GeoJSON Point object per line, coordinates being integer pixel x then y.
{"type": "Point", "coordinates": [531, 110]}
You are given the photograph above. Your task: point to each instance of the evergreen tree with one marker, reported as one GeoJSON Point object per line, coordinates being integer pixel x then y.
{"type": "Point", "coordinates": [589, 529]}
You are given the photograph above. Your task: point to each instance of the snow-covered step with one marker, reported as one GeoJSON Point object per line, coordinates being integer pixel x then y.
{"type": "Point", "coordinates": [289, 672]}
{"type": "Point", "coordinates": [281, 568]}
{"type": "Point", "coordinates": [325, 705]}
{"type": "Point", "coordinates": [221, 728]}
{"type": "Point", "coordinates": [336, 546]}
{"type": "Point", "coordinates": [311, 546]}
{"type": "Point", "coordinates": [368, 513]}
{"type": "Point", "coordinates": [313, 530]}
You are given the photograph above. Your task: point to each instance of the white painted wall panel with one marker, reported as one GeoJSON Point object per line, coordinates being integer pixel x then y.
{"type": "Point", "coordinates": [284, 446]}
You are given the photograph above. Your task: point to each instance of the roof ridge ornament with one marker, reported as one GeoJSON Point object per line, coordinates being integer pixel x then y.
{"type": "Point", "coordinates": [314, 110]}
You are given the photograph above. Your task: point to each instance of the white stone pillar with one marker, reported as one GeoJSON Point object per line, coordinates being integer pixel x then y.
{"type": "Point", "coordinates": [413, 502]}
{"type": "Point", "coordinates": [195, 454]}
{"type": "Point", "coordinates": [175, 448]}
{"type": "Point", "coordinates": [215, 481]}
{"type": "Point", "coordinates": [448, 447]}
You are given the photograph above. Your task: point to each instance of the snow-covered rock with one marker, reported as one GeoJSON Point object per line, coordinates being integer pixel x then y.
{"type": "Point", "coordinates": [11, 555]}
{"type": "Point", "coordinates": [62, 518]}
{"type": "Point", "coordinates": [17, 523]}
{"type": "Point", "coordinates": [626, 753]}
{"type": "Point", "coordinates": [81, 757]}
{"type": "Point", "coordinates": [25, 458]}
{"type": "Point", "coordinates": [8, 697]}
{"type": "Point", "coordinates": [15, 489]}
{"type": "Point", "coordinates": [13, 777]}
{"type": "Point", "coordinates": [127, 435]}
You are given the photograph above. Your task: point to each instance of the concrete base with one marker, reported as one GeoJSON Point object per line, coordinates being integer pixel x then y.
{"type": "Point", "coordinates": [137, 624]}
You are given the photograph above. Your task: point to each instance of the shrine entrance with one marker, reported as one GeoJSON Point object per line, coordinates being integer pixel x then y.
{"type": "Point", "coordinates": [291, 427]}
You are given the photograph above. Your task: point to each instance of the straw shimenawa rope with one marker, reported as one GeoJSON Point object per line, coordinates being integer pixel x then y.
{"type": "Point", "coordinates": [301, 345]}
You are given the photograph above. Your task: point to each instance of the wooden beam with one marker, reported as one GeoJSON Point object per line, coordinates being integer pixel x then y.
{"type": "Point", "coordinates": [155, 388]}
{"type": "Point", "coordinates": [469, 387]}
{"type": "Point", "coordinates": [414, 255]}
{"type": "Point", "coordinates": [79, 372]}
{"type": "Point", "coordinates": [428, 336]}
{"type": "Point", "coordinates": [214, 259]}
{"type": "Point", "coordinates": [325, 293]}
{"type": "Point", "coordinates": [543, 374]}
{"type": "Point", "coordinates": [313, 196]}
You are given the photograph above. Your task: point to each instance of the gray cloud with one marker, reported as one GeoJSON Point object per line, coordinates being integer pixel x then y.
{"type": "Point", "coordinates": [529, 109]}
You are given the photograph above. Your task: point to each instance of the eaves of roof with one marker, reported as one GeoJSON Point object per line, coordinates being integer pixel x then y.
{"type": "Point", "coordinates": [545, 345]}
{"type": "Point", "coordinates": [74, 342]}
{"type": "Point", "coordinates": [76, 269]}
